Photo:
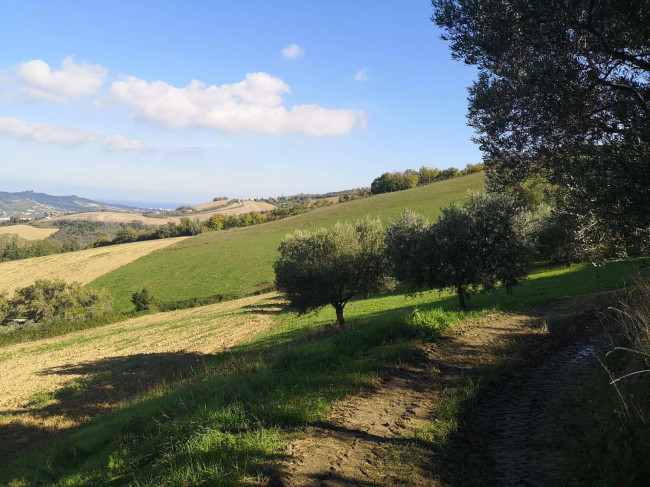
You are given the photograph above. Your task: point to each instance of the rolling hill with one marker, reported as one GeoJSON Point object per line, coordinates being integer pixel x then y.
{"type": "Point", "coordinates": [238, 262]}
{"type": "Point", "coordinates": [38, 205]}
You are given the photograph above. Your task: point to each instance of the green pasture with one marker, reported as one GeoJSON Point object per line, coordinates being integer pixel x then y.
{"type": "Point", "coordinates": [238, 262]}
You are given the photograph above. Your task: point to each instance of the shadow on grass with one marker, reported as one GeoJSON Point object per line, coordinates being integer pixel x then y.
{"type": "Point", "coordinates": [98, 387]}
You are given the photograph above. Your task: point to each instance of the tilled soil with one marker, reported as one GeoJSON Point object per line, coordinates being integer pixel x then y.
{"type": "Point", "coordinates": [51, 385]}
{"type": "Point", "coordinates": [349, 446]}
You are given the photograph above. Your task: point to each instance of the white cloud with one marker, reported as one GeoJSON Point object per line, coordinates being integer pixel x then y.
{"type": "Point", "coordinates": [362, 75]}
{"type": "Point", "coordinates": [251, 105]}
{"type": "Point", "coordinates": [119, 143]}
{"type": "Point", "coordinates": [39, 132]}
{"type": "Point", "coordinates": [70, 82]}
{"type": "Point", "coordinates": [292, 51]}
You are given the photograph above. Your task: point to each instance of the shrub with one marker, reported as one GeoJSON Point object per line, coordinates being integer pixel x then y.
{"type": "Point", "coordinates": [144, 301]}
{"type": "Point", "coordinates": [46, 300]}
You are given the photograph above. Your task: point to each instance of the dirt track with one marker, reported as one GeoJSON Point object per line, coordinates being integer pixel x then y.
{"type": "Point", "coordinates": [349, 446]}
{"type": "Point", "coordinates": [113, 363]}
{"type": "Point", "coordinates": [83, 266]}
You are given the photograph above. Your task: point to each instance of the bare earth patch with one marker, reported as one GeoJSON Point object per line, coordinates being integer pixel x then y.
{"type": "Point", "coordinates": [51, 385]}
{"type": "Point", "coordinates": [28, 232]}
{"type": "Point", "coordinates": [83, 266]}
{"type": "Point", "coordinates": [351, 445]}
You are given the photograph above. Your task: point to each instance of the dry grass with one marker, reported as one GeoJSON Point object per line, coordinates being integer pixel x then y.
{"type": "Point", "coordinates": [117, 217]}
{"type": "Point", "coordinates": [28, 232]}
{"type": "Point", "coordinates": [83, 266]}
{"type": "Point", "coordinates": [213, 205]}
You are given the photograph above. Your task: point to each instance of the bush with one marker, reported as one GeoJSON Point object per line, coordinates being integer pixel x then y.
{"type": "Point", "coordinates": [144, 301]}
{"type": "Point", "coordinates": [47, 300]}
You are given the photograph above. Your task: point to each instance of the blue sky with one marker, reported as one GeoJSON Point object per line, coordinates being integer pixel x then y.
{"type": "Point", "coordinates": [98, 98]}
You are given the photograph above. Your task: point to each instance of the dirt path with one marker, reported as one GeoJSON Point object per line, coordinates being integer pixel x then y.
{"type": "Point", "coordinates": [518, 424]}
{"type": "Point", "coordinates": [54, 384]}
{"type": "Point", "coordinates": [349, 445]}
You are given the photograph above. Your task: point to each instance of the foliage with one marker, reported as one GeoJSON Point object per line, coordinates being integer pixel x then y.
{"type": "Point", "coordinates": [563, 92]}
{"type": "Point", "coordinates": [55, 299]}
{"type": "Point", "coordinates": [332, 266]}
{"type": "Point", "coordinates": [403, 249]}
{"type": "Point", "coordinates": [474, 245]}
{"type": "Point", "coordinates": [13, 247]}
{"type": "Point", "coordinates": [4, 307]}
{"type": "Point", "coordinates": [398, 181]}
{"type": "Point", "coordinates": [143, 300]}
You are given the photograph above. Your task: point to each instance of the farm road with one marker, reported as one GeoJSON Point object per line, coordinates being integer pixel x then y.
{"type": "Point", "coordinates": [54, 384]}
{"type": "Point", "coordinates": [349, 446]}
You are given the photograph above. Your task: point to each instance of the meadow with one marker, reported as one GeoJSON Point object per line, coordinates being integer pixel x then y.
{"type": "Point", "coordinates": [238, 262]}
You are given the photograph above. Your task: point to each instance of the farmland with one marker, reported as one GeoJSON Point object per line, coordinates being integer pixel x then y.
{"type": "Point", "coordinates": [238, 262]}
{"type": "Point", "coordinates": [83, 266]}
{"type": "Point", "coordinates": [124, 217]}
{"type": "Point", "coordinates": [27, 232]}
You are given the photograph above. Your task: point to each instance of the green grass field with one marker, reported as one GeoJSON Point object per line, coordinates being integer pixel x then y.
{"type": "Point", "coordinates": [238, 262]}
{"type": "Point", "coordinates": [226, 424]}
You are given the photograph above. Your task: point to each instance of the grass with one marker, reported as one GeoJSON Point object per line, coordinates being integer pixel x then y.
{"type": "Point", "coordinates": [225, 425]}
{"type": "Point", "coordinates": [238, 262]}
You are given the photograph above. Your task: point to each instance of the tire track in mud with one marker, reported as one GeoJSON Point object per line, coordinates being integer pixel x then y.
{"type": "Point", "coordinates": [517, 426]}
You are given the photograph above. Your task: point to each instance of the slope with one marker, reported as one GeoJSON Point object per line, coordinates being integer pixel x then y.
{"type": "Point", "coordinates": [239, 261]}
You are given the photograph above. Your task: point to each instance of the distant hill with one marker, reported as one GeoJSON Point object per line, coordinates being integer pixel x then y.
{"type": "Point", "coordinates": [38, 205]}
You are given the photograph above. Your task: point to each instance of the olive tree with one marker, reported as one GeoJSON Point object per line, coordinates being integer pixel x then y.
{"type": "Point", "coordinates": [332, 266]}
{"type": "Point", "coordinates": [476, 245]}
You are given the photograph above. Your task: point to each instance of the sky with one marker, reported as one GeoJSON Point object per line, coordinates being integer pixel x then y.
{"type": "Point", "coordinates": [185, 101]}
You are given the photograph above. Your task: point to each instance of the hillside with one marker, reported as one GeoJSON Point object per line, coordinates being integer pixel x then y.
{"type": "Point", "coordinates": [231, 208]}
{"type": "Point", "coordinates": [39, 205]}
{"type": "Point", "coordinates": [82, 266]}
{"type": "Point", "coordinates": [239, 261]}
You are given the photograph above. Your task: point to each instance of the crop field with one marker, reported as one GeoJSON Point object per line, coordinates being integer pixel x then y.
{"type": "Point", "coordinates": [82, 266]}
{"type": "Point", "coordinates": [27, 232]}
{"type": "Point", "coordinates": [119, 217]}
{"type": "Point", "coordinates": [38, 379]}
{"type": "Point", "coordinates": [238, 262]}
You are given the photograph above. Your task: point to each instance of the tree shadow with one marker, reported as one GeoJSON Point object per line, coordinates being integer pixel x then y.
{"type": "Point", "coordinates": [98, 387]}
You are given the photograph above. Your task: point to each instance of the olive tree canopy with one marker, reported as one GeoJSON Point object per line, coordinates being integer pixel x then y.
{"type": "Point", "coordinates": [332, 266]}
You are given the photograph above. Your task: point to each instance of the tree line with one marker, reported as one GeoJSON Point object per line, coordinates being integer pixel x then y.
{"type": "Point", "coordinates": [472, 246]}
{"type": "Point", "coordinates": [398, 181]}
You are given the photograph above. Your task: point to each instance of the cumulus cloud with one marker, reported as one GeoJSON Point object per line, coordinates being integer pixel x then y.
{"type": "Point", "coordinates": [39, 132]}
{"type": "Point", "coordinates": [119, 143]}
{"type": "Point", "coordinates": [362, 75]}
{"type": "Point", "coordinates": [251, 105]}
{"type": "Point", "coordinates": [292, 51]}
{"type": "Point", "coordinates": [70, 82]}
